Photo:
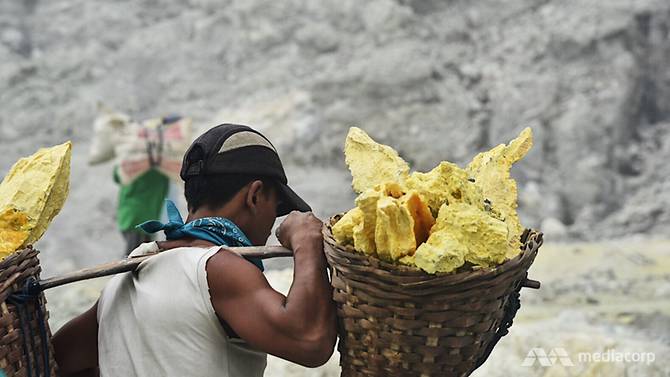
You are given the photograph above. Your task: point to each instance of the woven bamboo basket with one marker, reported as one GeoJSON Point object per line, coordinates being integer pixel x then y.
{"type": "Point", "coordinates": [25, 347]}
{"type": "Point", "coordinates": [400, 321]}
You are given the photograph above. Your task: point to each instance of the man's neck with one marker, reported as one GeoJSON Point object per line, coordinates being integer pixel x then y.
{"type": "Point", "coordinates": [228, 211]}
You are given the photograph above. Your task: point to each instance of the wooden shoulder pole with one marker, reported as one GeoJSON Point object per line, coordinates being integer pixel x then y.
{"type": "Point", "coordinates": [130, 264]}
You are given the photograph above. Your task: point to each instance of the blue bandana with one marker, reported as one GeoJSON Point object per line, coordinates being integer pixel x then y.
{"type": "Point", "coordinates": [217, 230]}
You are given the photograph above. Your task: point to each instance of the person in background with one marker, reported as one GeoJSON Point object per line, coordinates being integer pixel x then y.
{"type": "Point", "coordinates": [139, 201]}
{"type": "Point", "coordinates": [148, 157]}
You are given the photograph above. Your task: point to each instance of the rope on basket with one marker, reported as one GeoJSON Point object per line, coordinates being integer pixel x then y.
{"type": "Point", "coordinates": [29, 293]}
{"type": "Point", "coordinates": [511, 307]}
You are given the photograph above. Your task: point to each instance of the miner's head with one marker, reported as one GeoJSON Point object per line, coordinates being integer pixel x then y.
{"type": "Point", "coordinates": [234, 171]}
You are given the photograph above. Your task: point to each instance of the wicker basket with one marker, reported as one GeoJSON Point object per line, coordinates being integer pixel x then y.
{"type": "Point", "coordinates": [400, 321]}
{"type": "Point", "coordinates": [25, 347]}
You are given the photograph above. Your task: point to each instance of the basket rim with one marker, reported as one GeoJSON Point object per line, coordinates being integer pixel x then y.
{"type": "Point", "coordinates": [13, 269]}
{"type": "Point", "coordinates": [16, 255]}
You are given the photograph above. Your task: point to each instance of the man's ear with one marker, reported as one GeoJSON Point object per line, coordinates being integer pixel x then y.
{"type": "Point", "coordinates": [253, 195]}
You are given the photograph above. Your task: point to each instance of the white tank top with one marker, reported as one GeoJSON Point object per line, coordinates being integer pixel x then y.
{"type": "Point", "coordinates": [159, 321]}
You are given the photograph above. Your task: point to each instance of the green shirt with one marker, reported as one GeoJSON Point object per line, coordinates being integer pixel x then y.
{"type": "Point", "coordinates": [141, 200]}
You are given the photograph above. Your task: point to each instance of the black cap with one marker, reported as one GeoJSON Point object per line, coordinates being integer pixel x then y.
{"type": "Point", "coordinates": [238, 149]}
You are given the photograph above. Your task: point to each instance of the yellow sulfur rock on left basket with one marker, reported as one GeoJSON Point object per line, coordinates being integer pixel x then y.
{"type": "Point", "coordinates": [31, 195]}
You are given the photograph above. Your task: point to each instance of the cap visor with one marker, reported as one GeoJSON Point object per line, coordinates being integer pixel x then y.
{"type": "Point", "coordinates": [290, 201]}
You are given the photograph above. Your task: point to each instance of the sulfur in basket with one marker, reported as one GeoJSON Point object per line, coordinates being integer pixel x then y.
{"type": "Point", "coordinates": [399, 321]}
{"type": "Point", "coordinates": [25, 347]}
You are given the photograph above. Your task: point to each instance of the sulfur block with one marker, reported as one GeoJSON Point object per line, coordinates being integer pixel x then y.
{"type": "Point", "coordinates": [394, 230]}
{"type": "Point", "coordinates": [37, 186]}
{"type": "Point", "coordinates": [343, 230]}
{"type": "Point", "coordinates": [441, 253]}
{"type": "Point", "coordinates": [14, 230]}
{"type": "Point", "coordinates": [484, 236]}
{"type": "Point", "coordinates": [371, 163]}
{"type": "Point", "coordinates": [364, 232]}
{"type": "Point", "coordinates": [445, 184]}
{"type": "Point", "coordinates": [491, 171]}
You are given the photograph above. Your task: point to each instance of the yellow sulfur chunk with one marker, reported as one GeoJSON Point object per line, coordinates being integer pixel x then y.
{"type": "Point", "coordinates": [364, 233]}
{"type": "Point", "coordinates": [394, 230]}
{"type": "Point", "coordinates": [446, 183]}
{"type": "Point", "coordinates": [13, 230]}
{"type": "Point", "coordinates": [484, 236]}
{"type": "Point", "coordinates": [343, 230]}
{"type": "Point", "coordinates": [441, 253]}
{"type": "Point", "coordinates": [394, 218]}
{"type": "Point", "coordinates": [371, 163]}
{"type": "Point", "coordinates": [491, 171]}
{"type": "Point", "coordinates": [385, 225]}
{"type": "Point", "coordinates": [37, 186]}
{"type": "Point", "coordinates": [363, 241]}
{"type": "Point", "coordinates": [408, 260]}
{"type": "Point", "coordinates": [423, 219]}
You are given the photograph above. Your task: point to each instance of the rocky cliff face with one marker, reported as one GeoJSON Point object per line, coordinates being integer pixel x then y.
{"type": "Point", "coordinates": [436, 79]}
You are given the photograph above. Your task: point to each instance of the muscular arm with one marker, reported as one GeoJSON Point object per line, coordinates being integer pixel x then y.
{"type": "Point", "coordinates": [76, 345]}
{"type": "Point", "coordinates": [299, 327]}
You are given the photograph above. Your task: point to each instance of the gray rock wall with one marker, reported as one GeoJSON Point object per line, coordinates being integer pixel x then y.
{"type": "Point", "coordinates": [435, 79]}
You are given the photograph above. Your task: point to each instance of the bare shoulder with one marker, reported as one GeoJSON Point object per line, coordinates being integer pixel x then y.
{"type": "Point", "coordinates": [229, 275]}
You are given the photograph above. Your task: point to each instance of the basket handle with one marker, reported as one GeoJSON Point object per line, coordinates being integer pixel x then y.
{"type": "Point", "coordinates": [529, 283]}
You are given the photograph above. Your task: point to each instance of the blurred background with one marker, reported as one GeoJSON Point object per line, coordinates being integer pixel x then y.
{"type": "Point", "coordinates": [435, 79]}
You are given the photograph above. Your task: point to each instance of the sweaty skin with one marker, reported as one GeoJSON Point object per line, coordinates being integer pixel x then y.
{"type": "Point", "coordinates": [299, 327]}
